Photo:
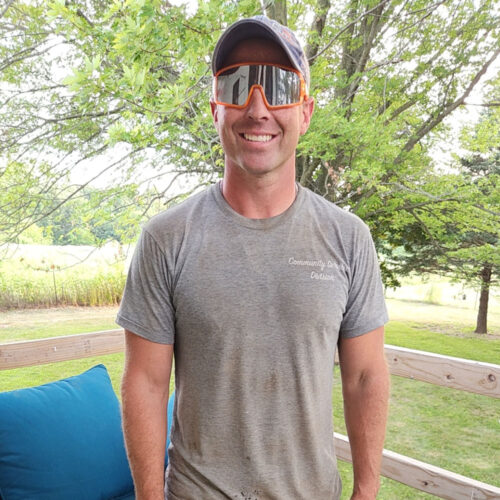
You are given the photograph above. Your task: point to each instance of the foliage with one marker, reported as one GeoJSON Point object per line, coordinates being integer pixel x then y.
{"type": "Point", "coordinates": [481, 168]}
{"type": "Point", "coordinates": [91, 217]}
{"type": "Point", "coordinates": [459, 235]}
{"type": "Point", "coordinates": [34, 234]}
{"type": "Point", "coordinates": [128, 83]}
{"type": "Point", "coordinates": [100, 215]}
{"type": "Point", "coordinates": [455, 236]}
{"type": "Point", "coordinates": [23, 195]}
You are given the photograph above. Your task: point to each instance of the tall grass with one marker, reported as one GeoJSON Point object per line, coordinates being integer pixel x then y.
{"type": "Point", "coordinates": [70, 288]}
{"type": "Point", "coordinates": [46, 277]}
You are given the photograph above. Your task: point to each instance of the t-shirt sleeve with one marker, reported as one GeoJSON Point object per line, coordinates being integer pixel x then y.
{"type": "Point", "coordinates": [146, 308]}
{"type": "Point", "coordinates": [365, 309]}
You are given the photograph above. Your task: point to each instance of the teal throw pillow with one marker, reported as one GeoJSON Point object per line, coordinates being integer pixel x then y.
{"type": "Point", "coordinates": [63, 441]}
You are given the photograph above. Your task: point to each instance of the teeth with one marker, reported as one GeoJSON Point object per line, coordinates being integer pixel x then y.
{"type": "Point", "coordinates": [257, 138]}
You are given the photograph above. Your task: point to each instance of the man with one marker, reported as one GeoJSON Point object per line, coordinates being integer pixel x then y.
{"type": "Point", "coordinates": [253, 284]}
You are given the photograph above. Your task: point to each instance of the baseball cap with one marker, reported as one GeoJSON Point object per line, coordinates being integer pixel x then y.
{"type": "Point", "coordinates": [261, 27]}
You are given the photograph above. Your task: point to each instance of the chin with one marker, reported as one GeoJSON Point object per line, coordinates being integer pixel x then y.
{"type": "Point", "coordinates": [260, 168]}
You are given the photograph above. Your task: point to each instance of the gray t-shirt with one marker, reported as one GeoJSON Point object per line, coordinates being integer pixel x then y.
{"type": "Point", "coordinates": [254, 308]}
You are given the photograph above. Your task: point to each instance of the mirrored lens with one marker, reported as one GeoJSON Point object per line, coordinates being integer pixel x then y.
{"type": "Point", "coordinates": [281, 86]}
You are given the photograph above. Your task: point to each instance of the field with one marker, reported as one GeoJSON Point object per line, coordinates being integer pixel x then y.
{"type": "Point", "coordinates": [444, 427]}
{"type": "Point", "coordinates": [48, 276]}
{"type": "Point", "coordinates": [440, 290]}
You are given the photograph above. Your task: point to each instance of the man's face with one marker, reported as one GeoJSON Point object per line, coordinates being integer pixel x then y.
{"type": "Point", "coordinates": [257, 139]}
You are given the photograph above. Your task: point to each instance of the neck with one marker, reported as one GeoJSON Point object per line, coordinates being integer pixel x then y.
{"type": "Point", "coordinates": [259, 197]}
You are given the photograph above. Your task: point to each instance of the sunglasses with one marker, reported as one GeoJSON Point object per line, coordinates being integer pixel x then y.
{"type": "Point", "coordinates": [280, 86]}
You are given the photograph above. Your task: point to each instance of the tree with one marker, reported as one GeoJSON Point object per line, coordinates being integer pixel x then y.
{"type": "Point", "coordinates": [34, 235]}
{"type": "Point", "coordinates": [482, 168]}
{"type": "Point", "coordinates": [385, 75]}
{"type": "Point", "coordinates": [24, 188]}
{"type": "Point", "coordinates": [459, 236]}
{"type": "Point", "coordinates": [96, 216]}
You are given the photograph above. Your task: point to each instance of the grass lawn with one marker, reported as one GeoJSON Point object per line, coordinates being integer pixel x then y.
{"type": "Point", "coordinates": [448, 428]}
{"type": "Point", "coordinates": [445, 427]}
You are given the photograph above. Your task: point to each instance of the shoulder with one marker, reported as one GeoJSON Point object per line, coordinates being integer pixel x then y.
{"type": "Point", "coordinates": [348, 223]}
{"type": "Point", "coordinates": [176, 214]}
{"type": "Point", "coordinates": [169, 228]}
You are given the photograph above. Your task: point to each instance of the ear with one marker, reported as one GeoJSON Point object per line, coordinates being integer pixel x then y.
{"type": "Point", "coordinates": [307, 112]}
{"type": "Point", "coordinates": [213, 108]}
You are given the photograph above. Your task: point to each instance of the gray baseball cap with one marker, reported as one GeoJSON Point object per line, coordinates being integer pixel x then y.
{"type": "Point", "coordinates": [261, 27]}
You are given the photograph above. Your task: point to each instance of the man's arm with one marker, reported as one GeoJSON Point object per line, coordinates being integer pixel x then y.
{"type": "Point", "coordinates": [145, 389]}
{"type": "Point", "coordinates": [365, 387]}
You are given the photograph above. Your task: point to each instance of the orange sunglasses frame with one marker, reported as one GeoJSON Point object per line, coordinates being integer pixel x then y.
{"type": "Point", "coordinates": [303, 93]}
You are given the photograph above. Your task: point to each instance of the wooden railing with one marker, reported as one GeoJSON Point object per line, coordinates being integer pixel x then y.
{"type": "Point", "coordinates": [465, 375]}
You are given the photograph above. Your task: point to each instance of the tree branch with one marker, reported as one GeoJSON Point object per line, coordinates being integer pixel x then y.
{"type": "Point", "coordinates": [72, 195]}
{"type": "Point", "coordinates": [80, 116]}
{"type": "Point", "coordinates": [434, 121]}
{"type": "Point", "coordinates": [347, 27]}
{"type": "Point", "coordinates": [6, 8]}
{"type": "Point", "coordinates": [317, 27]}
{"type": "Point", "coordinates": [483, 104]}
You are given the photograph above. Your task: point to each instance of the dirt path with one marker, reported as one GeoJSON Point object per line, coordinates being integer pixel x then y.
{"type": "Point", "coordinates": [37, 317]}
{"type": "Point", "coordinates": [446, 319]}
{"type": "Point", "coordinates": [29, 324]}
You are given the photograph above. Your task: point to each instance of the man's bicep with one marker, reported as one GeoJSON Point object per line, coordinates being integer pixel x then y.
{"type": "Point", "coordinates": [361, 354]}
{"type": "Point", "coordinates": [148, 359]}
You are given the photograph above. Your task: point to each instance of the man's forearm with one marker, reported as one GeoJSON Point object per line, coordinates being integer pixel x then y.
{"type": "Point", "coordinates": [144, 425]}
{"type": "Point", "coordinates": [365, 409]}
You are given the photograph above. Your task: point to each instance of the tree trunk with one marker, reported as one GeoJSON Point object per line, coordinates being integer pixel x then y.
{"type": "Point", "coordinates": [482, 314]}
{"type": "Point", "coordinates": [276, 9]}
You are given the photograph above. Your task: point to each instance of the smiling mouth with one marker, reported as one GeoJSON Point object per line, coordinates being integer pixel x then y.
{"type": "Point", "coordinates": [257, 138]}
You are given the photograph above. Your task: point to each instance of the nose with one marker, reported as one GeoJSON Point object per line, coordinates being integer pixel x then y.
{"type": "Point", "coordinates": [256, 107]}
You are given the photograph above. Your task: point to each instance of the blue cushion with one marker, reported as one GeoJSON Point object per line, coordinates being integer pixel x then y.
{"type": "Point", "coordinates": [63, 441]}
{"type": "Point", "coordinates": [170, 417]}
